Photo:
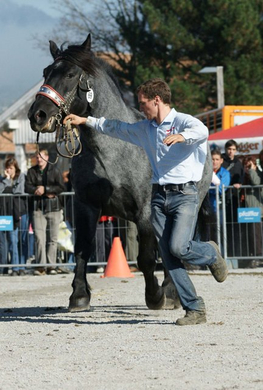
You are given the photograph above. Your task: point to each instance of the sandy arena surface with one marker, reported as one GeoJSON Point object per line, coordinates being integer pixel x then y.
{"type": "Point", "coordinates": [120, 344]}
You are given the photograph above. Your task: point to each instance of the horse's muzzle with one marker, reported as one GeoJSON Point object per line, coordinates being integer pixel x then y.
{"type": "Point", "coordinates": [48, 127]}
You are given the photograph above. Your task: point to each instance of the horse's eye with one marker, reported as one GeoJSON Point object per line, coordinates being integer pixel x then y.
{"type": "Point", "coordinates": [70, 75]}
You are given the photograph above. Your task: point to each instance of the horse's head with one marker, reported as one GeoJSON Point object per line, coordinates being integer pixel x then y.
{"type": "Point", "coordinates": [66, 87]}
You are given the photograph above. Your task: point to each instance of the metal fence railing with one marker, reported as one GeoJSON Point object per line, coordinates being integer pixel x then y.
{"type": "Point", "coordinates": [237, 227]}
{"type": "Point", "coordinates": [11, 207]}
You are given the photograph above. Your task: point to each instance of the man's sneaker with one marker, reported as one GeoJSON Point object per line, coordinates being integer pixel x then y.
{"type": "Point", "coordinates": [51, 271]}
{"type": "Point", "coordinates": [63, 270]}
{"type": "Point", "coordinates": [14, 273]}
{"type": "Point", "coordinates": [219, 269]}
{"type": "Point", "coordinates": [39, 272]}
{"type": "Point", "coordinates": [192, 317]}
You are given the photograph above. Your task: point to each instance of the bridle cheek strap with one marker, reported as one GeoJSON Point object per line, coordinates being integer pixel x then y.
{"type": "Point", "coordinates": [50, 93]}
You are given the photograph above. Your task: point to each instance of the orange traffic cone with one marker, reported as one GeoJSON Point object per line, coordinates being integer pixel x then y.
{"type": "Point", "coordinates": [117, 265]}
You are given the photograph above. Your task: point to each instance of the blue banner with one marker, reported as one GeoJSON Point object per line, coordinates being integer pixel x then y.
{"type": "Point", "coordinates": [6, 223]}
{"type": "Point", "coordinates": [249, 214]}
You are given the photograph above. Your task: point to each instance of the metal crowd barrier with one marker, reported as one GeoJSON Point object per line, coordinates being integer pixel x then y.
{"type": "Point", "coordinates": [105, 233]}
{"type": "Point", "coordinates": [240, 240]}
{"type": "Point", "coordinates": [239, 214]}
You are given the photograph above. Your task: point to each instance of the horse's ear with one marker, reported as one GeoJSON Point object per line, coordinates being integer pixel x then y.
{"type": "Point", "coordinates": [54, 50]}
{"type": "Point", "coordinates": [87, 43]}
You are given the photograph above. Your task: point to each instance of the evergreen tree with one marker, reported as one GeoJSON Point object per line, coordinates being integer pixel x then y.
{"type": "Point", "coordinates": [174, 39]}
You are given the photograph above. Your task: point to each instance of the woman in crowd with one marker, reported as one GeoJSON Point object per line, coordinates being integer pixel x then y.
{"type": "Point", "coordinates": [253, 197]}
{"type": "Point", "coordinates": [14, 183]}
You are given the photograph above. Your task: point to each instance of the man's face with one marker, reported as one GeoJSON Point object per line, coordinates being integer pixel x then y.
{"type": "Point", "coordinates": [231, 151]}
{"type": "Point", "coordinates": [217, 162]}
{"type": "Point", "coordinates": [42, 159]}
{"type": "Point", "coordinates": [148, 107]}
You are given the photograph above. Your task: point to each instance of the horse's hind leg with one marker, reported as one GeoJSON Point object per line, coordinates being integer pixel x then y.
{"type": "Point", "coordinates": [86, 223]}
{"type": "Point", "coordinates": [156, 297]}
{"type": "Point", "coordinates": [154, 294]}
{"type": "Point", "coordinates": [172, 299]}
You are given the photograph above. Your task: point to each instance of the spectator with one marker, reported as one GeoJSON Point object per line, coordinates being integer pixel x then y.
{"type": "Point", "coordinates": [45, 182]}
{"type": "Point", "coordinates": [69, 219]}
{"type": "Point", "coordinates": [236, 170]}
{"type": "Point", "coordinates": [128, 233]}
{"type": "Point", "coordinates": [221, 176]}
{"type": "Point", "coordinates": [14, 183]}
{"type": "Point", "coordinates": [106, 231]}
{"type": "Point", "coordinates": [260, 157]}
{"type": "Point", "coordinates": [253, 197]}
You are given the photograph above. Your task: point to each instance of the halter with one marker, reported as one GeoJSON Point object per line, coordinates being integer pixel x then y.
{"type": "Point", "coordinates": [64, 134]}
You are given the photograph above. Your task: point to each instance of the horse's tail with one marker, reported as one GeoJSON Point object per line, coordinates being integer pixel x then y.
{"type": "Point", "coordinates": [206, 222]}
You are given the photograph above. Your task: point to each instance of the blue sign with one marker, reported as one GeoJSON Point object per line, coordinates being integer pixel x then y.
{"type": "Point", "coordinates": [249, 214]}
{"type": "Point", "coordinates": [6, 223]}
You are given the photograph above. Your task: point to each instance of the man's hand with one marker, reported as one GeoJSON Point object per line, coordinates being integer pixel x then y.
{"type": "Point", "coordinates": [173, 139]}
{"type": "Point", "coordinates": [40, 191]}
{"type": "Point", "coordinates": [75, 119]}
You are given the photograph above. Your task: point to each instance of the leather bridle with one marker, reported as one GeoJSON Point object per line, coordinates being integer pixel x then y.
{"type": "Point", "coordinates": [67, 135]}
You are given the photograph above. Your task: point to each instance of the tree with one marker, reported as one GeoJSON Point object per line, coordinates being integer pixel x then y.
{"type": "Point", "coordinates": [174, 40]}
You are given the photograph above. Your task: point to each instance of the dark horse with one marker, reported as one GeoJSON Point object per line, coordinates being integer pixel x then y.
{"type": "Point", "coordinates": [109, 176]}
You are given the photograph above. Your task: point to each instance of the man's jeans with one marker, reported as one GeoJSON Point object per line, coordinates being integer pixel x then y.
{"type": "Point", "coordinates": [174, 215]}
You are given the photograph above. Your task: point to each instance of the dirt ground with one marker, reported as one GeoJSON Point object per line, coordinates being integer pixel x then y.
{"type": "Point", "coordinates": [120, 344]}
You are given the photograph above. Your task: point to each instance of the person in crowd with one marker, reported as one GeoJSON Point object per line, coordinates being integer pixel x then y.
{"type": "Point", "coordinates": [128, 234]}
{"type": "Point", "coordinates": [260, 157]}
{"type": "Point", "coordinates": [44, 181]}
{"type": "Point", "coordinates": [14, 183]}
{"type": "Point", "coordinates": [253, 197]}
{"type": "Point", "coordinates": [106, 231]}
{"type": "Point", "coordinates": [221, 176]}
{"type": "Point", "coordinates": [68, 216]}
{"type": "Point", "coordinates": [132, 245]}
{"type": "Point", "coordinates": [175, 143]}
{"type": "Point", "coordinates": [234, 166]}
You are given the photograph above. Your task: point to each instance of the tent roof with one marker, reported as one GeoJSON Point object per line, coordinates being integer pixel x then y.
{"type": "Point", "coordinates": [246, 130]}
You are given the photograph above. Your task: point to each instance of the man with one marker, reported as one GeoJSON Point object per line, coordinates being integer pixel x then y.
{"type": "Point", "coordinates": [45, 182]}
{"type": "Point", "coordinates": [236, 170]}
{"type": "Point", "coordinates": [176, 145]}
{"type": "Point", "coordinates": [233, 164]}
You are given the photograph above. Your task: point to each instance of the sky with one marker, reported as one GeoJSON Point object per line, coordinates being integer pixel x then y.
{"type": "Point", "coordinates": [21, 61]}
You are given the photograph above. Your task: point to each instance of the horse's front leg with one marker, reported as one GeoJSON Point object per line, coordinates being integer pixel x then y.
{"type": "Point", "coordinates": [80, 298]}
{"type": "Point", "coordinates": [86, 222]}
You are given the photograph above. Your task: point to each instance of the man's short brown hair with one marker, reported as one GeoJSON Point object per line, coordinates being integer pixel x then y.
{"type": "Point", "coordinates": [42, 151]}
{"type": "Point", "coordinates": [156, 87]}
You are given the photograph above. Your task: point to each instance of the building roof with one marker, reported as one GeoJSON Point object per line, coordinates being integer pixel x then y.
{"type": "Point", "coordinates": [18, 111]}
{"type": "Point", "coordinates": [249, 137]}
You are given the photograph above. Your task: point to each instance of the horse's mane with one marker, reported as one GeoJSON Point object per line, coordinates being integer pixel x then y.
{"type": "Point", "coordinates": [87, 61]}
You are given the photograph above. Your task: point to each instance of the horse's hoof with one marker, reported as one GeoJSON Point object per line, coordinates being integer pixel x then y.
{"type": "Point", "coordinates": [81, 304]}
{"type": "Point", "coordinates": [171, 304]}
{"type": "Point", "coordinates": [153, 305]}
{"type": "Point", "coordinates": [172, 299]}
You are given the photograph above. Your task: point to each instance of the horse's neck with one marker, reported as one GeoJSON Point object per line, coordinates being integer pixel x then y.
{"type": "Point", "coordinates": [109, 102]}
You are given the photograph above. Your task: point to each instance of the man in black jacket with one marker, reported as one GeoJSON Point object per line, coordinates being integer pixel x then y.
{"type": "Point", "coordinates": [236, 170]}
{"type": "Point", "coordinates": [45, 182]}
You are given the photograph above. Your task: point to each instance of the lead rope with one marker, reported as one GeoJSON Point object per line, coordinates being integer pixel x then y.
{"type": "Point", "coordinates": [69, 137]}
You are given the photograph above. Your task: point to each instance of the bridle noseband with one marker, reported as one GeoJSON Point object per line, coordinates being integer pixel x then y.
{"type": "Point", "coordinates": [67, 134]}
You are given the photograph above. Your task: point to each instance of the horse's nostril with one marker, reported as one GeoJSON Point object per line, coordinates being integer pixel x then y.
{"type": "Point", "coordinates": [40, 117]}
